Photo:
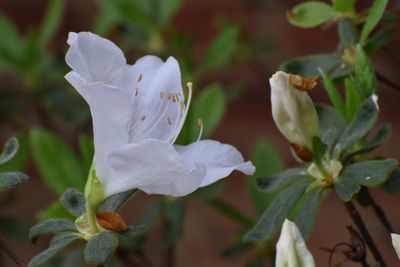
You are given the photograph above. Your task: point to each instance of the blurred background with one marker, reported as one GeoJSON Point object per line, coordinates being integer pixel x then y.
{"type": "Point", "coordinates": [229, 49]}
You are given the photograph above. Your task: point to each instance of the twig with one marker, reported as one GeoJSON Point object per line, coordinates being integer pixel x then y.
{"type": "Point", "coordinates": [4, 247]}
{"type": "Point", "coordinates": [356, 217]}
{"type": "Point", "coordinates": [386, 81]}
{"type": "Point", "coordinates": [380, 213]}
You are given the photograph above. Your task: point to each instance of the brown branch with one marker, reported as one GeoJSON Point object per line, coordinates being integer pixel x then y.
{"type": "Point", "coordinates": [4, 247]}
{"type": "Point", "coordinates": [380, 213]}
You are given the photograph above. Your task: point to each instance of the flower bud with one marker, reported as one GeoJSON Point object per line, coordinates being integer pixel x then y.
{"type": "Point", "coordinates": [293, 110]}
{"type": "Point", "coordinates": [291, 250]}
{"type": "Point", "coordinates": [396, 243]}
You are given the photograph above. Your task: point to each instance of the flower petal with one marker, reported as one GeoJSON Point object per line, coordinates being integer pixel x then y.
{"type": "Point", "coordinates": [291, 250]}
{"type": "Point", "coordinates": [220, 159]}
{"type": "Point", "coordinates": [396, 243]}
{"type": "Point", "coordinates": [152, 166]}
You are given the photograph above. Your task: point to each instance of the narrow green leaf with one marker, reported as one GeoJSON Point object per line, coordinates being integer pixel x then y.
{"type": "Point", "coordinates": [237, 248]}
{"type": "Point", "coordinates": [9, 150]}
{"type": "Point", "coordinates": [174, 212]}
{"type": "Point", "coordinates": [310, 14]}
{"type": "Point", "coordinates": [333, 94]}
{"type": "Point", "coordinates": [231, 212]}
{"type": "Point", "coordinates": [115, 202]}
{"type": "Point", "coordinates": [374, 16]}
{"type": "Point", "coordinates": [331, 124]}
{"type": "Point", "coordinates": [100, 248]}
{"type": "Point", "coordinates": [19, 160]}
{"type": "Point", "coordinates": [55, 210]}
{"type": "Point", "coordinates": [271, 220]}
{"type": "Point", "coordinates": [362, 123]}
{"type": "Point", "coordinates": [370, 173]}
{"type": "Point", "coordinates": [348, 33]}
{"type": "Point", "coordinates": [308, 65]}
{"type": "Point", "coordinates": [132, 231]}
{"type": "Point", "coordinates": [222, 48]}
{"type": "Point", "coordinates": [50, 226]}
{"type": "Point", "coordinates": [346, 188]}
{"type": "Point", "coordinates": [319, 149]}
{"type": "Point", "coordinates": [344, 6]}
{"type": "Point", "coordinates": [106, 18]}
{"type": "Point", "coordinates": [380, 39]}
{"type": "Point", "coordinates": [279, 180]}
{"type": "Point", "coordinates": [353, 99]}
{"type": "Point", "coordinates": [365, 78]}
{"type": "Point", "coordinates": [74, 201]}
{"type": "Point", "coordinates": [51, 22]}
{"type": "Point", "coordinates": [55, 161]}
{"type": "Point", "coordinates": [11, 42]}
{"type": "Point", "coordinates": [10, 180]}
{"type": "Point", "coordinates": [57, 244]}
{"type": "Point", "coordinates": [166, 9]}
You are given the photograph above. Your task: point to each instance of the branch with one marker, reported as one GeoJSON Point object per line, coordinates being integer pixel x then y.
{"type": "Point", "coordinates": [380, 213]}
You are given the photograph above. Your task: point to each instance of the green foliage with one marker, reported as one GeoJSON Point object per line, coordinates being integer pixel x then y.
{"type": "Point", "coordinates": [100, 248]}
{"type": "Point", "coordinates": [333, 94]}
{"type": "Point", "coordinates": [353, 98]}
{"type": "Point", "coordinates": [310, 14]}
{"type": "Point", "coordinates": [115, 202]}
{"type": "Point", "coordinates": [373, 18]}
{"type": "Point", "coordinates": [10, 180]}
{"type": "Point", "coordinates": [365, 79]}
{"type": "Point", "coordinates": [346, 188]}
{"type": "Point", "coordinates": [348, 33]}
{"type": "Point", "coordinates": [392, 184]}
{"type": "Point", "coordinates": [51, 226]}
{"type": "Point", "coordinates": [379, 40]}
{"type": "Point", "coordinates": [231, 212]}
{"type": "Point", "coordinates": [174, 216]}
{"type": "Point", "coordinates": [308, 65]}
{"type": "Point", "coordinates": [344, 5]}
{"type": "Point", "coordinates": [133, 231]}
{"type": "Point", "coordinates": [74, 201]}
{"type": "Point", "coordinates": [9, 150]}
{"type": "Point", "coordinates": [280, 180]}
{"type": "Point", "coordinates": [331, 124]}
{"type": "Point", "coordinates": [51, 22]}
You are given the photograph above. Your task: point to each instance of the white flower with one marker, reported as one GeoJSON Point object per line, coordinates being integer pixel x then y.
{"type": "Point", "coordinates": [138, 112]}
{"type": "Point", "coordinates": [396, 243]}
{"type": "Point", "coordinates": [292, 108]}
{"type": "Point", "coordinates": [291, 250]}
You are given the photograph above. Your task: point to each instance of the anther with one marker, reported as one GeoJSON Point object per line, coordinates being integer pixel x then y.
{"type": "Point", "coordinates": [140, 78]}
{"type": "Point", "coordinates": [143, 118]}
{"type": "Point", "coordinates": [169, 121]}
{"type": "Point", "coordinates": [136, 91]}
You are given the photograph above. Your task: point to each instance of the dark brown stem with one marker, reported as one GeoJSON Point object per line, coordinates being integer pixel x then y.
{"type": "Point", "coordinates": [357, 219]}
{"type": "Point", "coordinates": [170, 257]}
{"type": "Point", "coordinates": [386, 81]}
{"type": "Point", "coordinates": [4, 247]}
{"type": "Point", "coordinates": [380, 213]}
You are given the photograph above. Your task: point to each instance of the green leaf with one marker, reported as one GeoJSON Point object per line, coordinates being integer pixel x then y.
{"type": "Point", "coordinates": [20, 159]}
{"type": "Point", "coordinates": [319, 149]}
{"type": "Point", "coordinates": [380, 39]}
{"type": "Point", "coordinates": [166, 9]}
{"type": "Point", "coordinates": [100, 248]}
{"type": "Point", "coordinates": [373, 18]}
{"type": "Point", "coordinates": [74, 201]}
{"type": "Point", "coordinates": [353, 98]}
{"type": "Point", "coordinates": [174, 213]}
{"type": "Point", "coordinates": [55, 161]}
{"type": "Point", "coordinates": [277, 181]}
{"type": "Point", "coordinates": [306, 211]}
{"type": "Point", "coordinates": [86, 148]}
{"type": "Point", "coordinates": [370, 173]}
{"type": "Point", "coordinates": [222, 48]}
{"type": "Point", "coordinates": [308, 65]}
{"type": "Point", "coordinates": [310, 14]}
{"type": "Point", "coordinates": [57, 244]}
{"type": "Point", "coordinates": [55, 210]}
{"type": "Point", "coordinates": [106, 18]}
{"type": "Point", "coordinates": [348, 32]}
{"type": "Point", "coordinates": [333, 93]}
{"type": "Point", "coordinates": [365, 78]}
{"type": "Point", "coordinates": [11, 179]}
{"type": "Point", "coordinates": [50, 226]}
{"type": "Point", "coordinates": [115, 202]}
{"type": "Point", "coordinates": [392, 184]}
{"type": "Point", "coordinates": [133, 231]}
{"type": "Point", "coordinates": [271, 220]}
{"type": "Point", "coordinates": [268, 162]}
{"type": "Point", "coordinates": [11, 43]}
{"type": "Point", "coordinates": [9, 150]}
{"type": "Point", "coordinates": [236, 249]}
{"type": "Point", "coordinates": [14, 228]}
{"type": "Point", "coordinates": [344, 5]}
{"type": "Point", "coordinates": [51, 22]}
{"type": "Point", "coordinates": [231, 212]}
{"type": "Point", "coordinates": [346, 188]}
{"type": "Point", "coordinates": [362, 123]}
{"type": "Point", "coordinates": [331, 124]}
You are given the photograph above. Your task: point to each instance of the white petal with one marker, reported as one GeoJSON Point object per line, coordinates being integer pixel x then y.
{"type": "Point", "coordinates": [291, 250]}
{"type": "Point", "coordinates": [111, 114]}
{"type": "Point", "coordinates": [154, 167]}
{"type": "Point", "coordinates": [80, 85]}
{"type": "Point", "coordinates": [160, 115]}
{"type": "Point", "coordinates": [220, 159]}
{"type": "Point", "coordinates": [396, 243]}
{"type": "Point", "coordinates": [97, 59]}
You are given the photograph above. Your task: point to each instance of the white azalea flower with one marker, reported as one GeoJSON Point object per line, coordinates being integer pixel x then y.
{"type": "Point", "coordinates": [292, 108]}
{"type": "Point", "coordinates": [291, 250]}
{"type": "Point", "coordinates": [138, 112]}
{"type": "Point", "coordinates": [396, 243]}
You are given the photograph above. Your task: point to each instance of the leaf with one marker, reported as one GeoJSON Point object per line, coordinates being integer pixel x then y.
{"type": "Point", "coordinates": [9, 150]}
{"type": "Point", "coordinates": [392, 184]}
{"type": "Point", "coordinates": [348, 32]}
{"type": "Point", "coordinates": [236, 249]}
{"type": "Point", "coordinates": [353, 98]}
{"type": "Point", "coordinates": [14, 228]}
{"type": "Point", "coordinates": [346, 188]}
{"type": "Point", "coordinates": [50, 226]}
{"type": "Point", "coordinates": [174, 212]}
{"type": "Point", "coordinates": [115, 202]}
{"type": "Point", "coordinates": [333, 93]}
{"type": "Point", "coordinates": [277, 181]}
{"type": "Point", "coordinates": [133, 231]}
{"type": "Point", "coordinates": [231, 212]}
{"type": "Point", "coordinates": [222, 48]}
{"type": "Point", "coordinates": [271, 220]}
{"type": "Point", "coordinates": [86, 148]}
{"type": "Point", "coordinates": [51, 22]}
{"type": "Point", "coordinates": [10, 180]}
{"type": "Point", "coordinates": [370, 173]}
{"type": "Point", "coordinates": [331, 124]}
{"type": "Point", "coordinates": [57, 244]}
{"type": "Point", "coordinates": [344, 5]}
{"type": "Point", "coordinates": [74, 201]}
{"type": "Point", "coordinates": [362, 123]}
{"type": "Point", "coordinates": [268, 162]}
{"type": "Point", "coordinates": [11, 43]}
{"type": "Point", "coordinates": [310, 14]}
{"type": "Point", "coordinates": [55, 161]}
{"type": "Point", "coordinates": [380, 39]}
{"type": "Point", "coordinates": [308, 65]}
{"type": "Point", "coordinates": [19, 160]}
{"type": "Point", "coordinates": [166, 9]}
{"type": "Point", "coordinates": [319, 149]}
{"type": "Point", "coordinates": [306, 211]}
{"type": "Point", "coordinates": [100, 248]}
{"type": "Point", "coordinates": [55, 210]}
{"type": "Point", "coordinates": [365, 78]}
{"type": "Point", "coordinates": [373, 18]}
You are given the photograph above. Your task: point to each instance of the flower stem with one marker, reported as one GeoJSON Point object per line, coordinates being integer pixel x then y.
{"type": "Point", "coordinates": [4, 247]}
{"type": "Point", "coordinates": [380, 213]}
{"type": "Point", "coordinates": [357, 219]}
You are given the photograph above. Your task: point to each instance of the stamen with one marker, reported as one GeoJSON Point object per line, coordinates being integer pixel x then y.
{"type": "Point", "coordinates": [136, 91]}
{"type": "Point", "coordinates": [140, 78]}
{"type": "Point", "coordinates": [162, 95]}
{"type": "Point", "coordinates": [169, 121]}
{"type": "Point", "coordinates": [143, 118]}
{"type": "Point", "coordinates": [185, 112]}
{"type": "Point", "coordinates": [201, 124]}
